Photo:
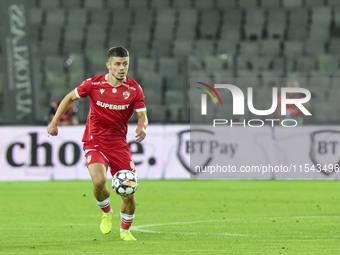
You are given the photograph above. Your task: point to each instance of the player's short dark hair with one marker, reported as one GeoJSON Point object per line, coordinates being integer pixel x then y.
{"type": "Point", "coordinates": [117, 52]}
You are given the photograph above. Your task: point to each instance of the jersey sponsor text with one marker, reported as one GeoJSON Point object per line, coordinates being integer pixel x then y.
{"type": "Point", "coordinates": [113, 106]}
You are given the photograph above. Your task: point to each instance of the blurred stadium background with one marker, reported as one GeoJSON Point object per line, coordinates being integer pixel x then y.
{"type": "Point", "coordinates": [173, 40]}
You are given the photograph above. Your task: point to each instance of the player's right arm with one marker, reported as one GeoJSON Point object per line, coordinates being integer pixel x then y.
{"type": "Point", "coordinates": [65, 104]}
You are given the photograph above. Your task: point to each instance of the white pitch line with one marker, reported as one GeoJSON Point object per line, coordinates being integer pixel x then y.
{"type": "Point", "coordinates": [140, 228]}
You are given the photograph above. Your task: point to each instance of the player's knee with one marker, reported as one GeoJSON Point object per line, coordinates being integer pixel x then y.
{"type": "Point", "coordinates": [130, 199]}
{"type": "Point", "coordinates": [99, 182]}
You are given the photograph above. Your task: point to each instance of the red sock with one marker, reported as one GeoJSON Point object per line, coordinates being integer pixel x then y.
{"type": "Point", "coordinates": [126, 221]}
{"type": "Point", "coordinates": [105, 205]}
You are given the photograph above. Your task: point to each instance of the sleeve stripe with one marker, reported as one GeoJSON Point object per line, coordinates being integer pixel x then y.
{"type": "Point", "coordinates": [76, 90]}
{"type": "Point", "coordinates": [140, 110]}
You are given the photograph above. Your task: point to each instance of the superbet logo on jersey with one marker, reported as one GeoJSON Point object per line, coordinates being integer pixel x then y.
{"type": "Point", "coordinates": [113, 106]}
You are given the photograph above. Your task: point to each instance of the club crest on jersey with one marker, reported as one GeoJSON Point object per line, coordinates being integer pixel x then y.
{"type": "Point", "coordinates": [126, 94]}
{"type": "Point", "coordinates": [89, 158]}
{"type": "Point", "coordinates": [114, 90]}
{"type": "Point", "coordinates": [102, 91]}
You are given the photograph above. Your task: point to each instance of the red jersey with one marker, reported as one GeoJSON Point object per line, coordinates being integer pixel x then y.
{"type": "Point", "coordinates": [111, 107]}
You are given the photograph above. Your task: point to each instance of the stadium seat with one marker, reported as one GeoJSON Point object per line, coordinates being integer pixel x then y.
{"type": "Point", "coordinates": [247, 74]}
{"type": "Point", "coordinates": [181, 4]}
{"type": "Point", "coordinates": [187, 16]}
{"type": "Point", "coordinates": [333, 3]}
{"type": "Point", "coordinates": [160, 4]}
{"type": "Point", "coordinates": [197, 74]}
{"type": "Point", "coordinates": [139, 5]}
{"type": "Point", "coordinates": [293, 48]}
{"type": "Point", "coordinates": [314, 48]}
{"type": "Point", "coordinates": [270, 4]}
{"type": "Point", "coordinates": [298, 24]}
{"type": "Point", "coordinates": [337, 18]}
{"type": "Point", "coordinates": [55, 18]}
{"type": "Point", "coordinates": [219, 74]}
{"type": "Point", "coordinates": [174, 96]}
{"type": "Point", "coordinates": [141, 28]}
{"type": "Point", "coordinates": [254, 24]}
{"type": "Point", "coordinates": [75, 66]}
{"type": "Point", "coordinates": [143, 18]}
{"type": "Point", "coordinates": [74, 34]}
{"type": "Point", "coordinates": [161, 48]}
{"type": "Point", "coordinates": [314, 3]}
{"type": "Point", "coordinates": [152, 81]}
{"type": "Point", "coordinates": [278, 64]}
{"type": "Point", "coordinates": [333, 46]}
{"type": "Point", "coordinates": [203, 4]}
{"type": "Point", "coordinates": [96, 62]}
{"type": "Point", "coordinates": [227, 47]}
{"type": "Point", "coordinates": [212, 63]}
{"type": "Point", "coordinates": [328, 65]}
{"type": "Point", "coordinates": [166, 17]}
{"type": "Point", "coordinates": [139, 47]}
{"type": "Point", "coordinates": [51, 31]}
{"type": "Point", "coordinates": [77, 17]}
{"type": "Point", "coordinates": [156, 112]}
{"type": "Point", "coordinates": [168, 66]}
{"type": "Point", "coordinates": [292, 3]}
{"type": "Point", "coordinates": [176, 83]}
{"type": "Point", "coordinates": [209, 24]}
{"type": "Point", "coordinates": [101, 16]}
{"type": "Point", "coordinates": [74, 39]}
{"type": "Point", "coordinates": [203, 47]}
{"type": "Point", "coordinates": [70, 4]}
{"type": "Point", "coordinates": [249, 48]}
{"type": "Point", "coordinates": [54, 71]}
{"type": "Point", "coordinates": [116, 4]}
{"type": "Point", "coordinates": [276, 24]}
{"type": "Point", "coordinates": [231, 25]}
{"type": "Point", "coordinates": [225, 5]}
{"type": "Point", "coordinates": [270, 47]}
{"type": "Point", "coordinates": [321, 15]}
{"type": "Point", "coordinates": [140, 35]}
{"type": "Point", "coordinates": [230, 34]}
{"type": "Point", "coordinates": [163, 34]}
{"type": "Point", "coordinates": [120, 25]}
{"type": "Point", "coordinates": [36, 15]}
{"type": "Point", "coordinates": [49, 5]}
{"type": "Point", "coordinates": [152, 96]}
{"type": "Point", "coordinates": [55, 64]}
{"type": "Point", "coordinates": [232, 18]}
{"type": "Point", "coordinates": [305, 64]}
{"type": "Point", "coordinates": [246, 4]}
{"type": "Point", "coordinates": [185, 32]}
{"type": "Point", "coordinates": [182, 48]}
{"type": "Point", "coordinates": [194, 63]}
{"type": "Point", "coordinates": [96, 37]}
{"type": "Point", "coordinates": [255, 63]}
{"type": "Point", "coordinates": [145, 65]}
{"type": "Point", "coordinates": [270, 78]}
{"type": "Point", "coordinates": [175, 113]}
{"type": "Point", "coordinates": [89, 4]}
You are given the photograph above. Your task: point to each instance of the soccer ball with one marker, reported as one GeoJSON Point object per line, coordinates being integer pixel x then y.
{"type": "Point", "coordinates": [125, 183]}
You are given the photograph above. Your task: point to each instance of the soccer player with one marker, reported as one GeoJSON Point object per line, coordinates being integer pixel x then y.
{"type": "Point", "coordinates": [113, 98]}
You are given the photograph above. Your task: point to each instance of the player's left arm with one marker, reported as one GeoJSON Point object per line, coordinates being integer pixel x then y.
{"type": "Point", "coordinates": [142, 124]}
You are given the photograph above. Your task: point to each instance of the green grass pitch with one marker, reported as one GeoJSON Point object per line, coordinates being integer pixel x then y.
{"type": "Point", "coordinates": [174, 217]}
